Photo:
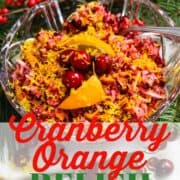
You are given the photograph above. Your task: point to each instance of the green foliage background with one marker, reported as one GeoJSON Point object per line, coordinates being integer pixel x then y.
{"type": "Point", "coordinates": [172, 7]}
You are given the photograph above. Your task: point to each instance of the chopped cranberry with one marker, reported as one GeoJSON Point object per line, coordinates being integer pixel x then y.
{"type": "Point", "coordinates": [103, 64]}
{"type": "Point", "coordinates": [138, 22]}
{"type": "Point", "coordinates": [124, 23]}
{"type": "Point", "coordinates": [50, 44]}
{"type": "Point", "coordinates": [35, 91]}
{"type": "Point", "coordinates": [58, 35]}
{"type": "Point", "coordinates": [115, 29]}
{"type": "Point", "coordinates": [112, 21]}
{"type": "Point", "coordinates": [154, 51]}
{"type": "Point", "coordinates": [81, 60]}
{"type": "Point", "coordinates": [75, 25]}
{"type": "Point", "coordinates": [73, 79]}
{"type": "Point", "coordinates": [67, 27]}
{"type": "Point", "coordinates": [53, 102]}
{"type": "Point", "coordinates": [106, 37]}
{"type": "Point", "coordinates": [38, 110]}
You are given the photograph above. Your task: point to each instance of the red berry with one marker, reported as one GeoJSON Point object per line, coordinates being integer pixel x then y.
{"type": "Point", "coordinates": [163, 145]}
{"type": "Point", "coordinates": [164, 168]}
{"type": "Point", "coordinates": [14, 3]}
{"type": "Point", "coordinates": [80, 60]}
{"type": "Point", "coordinates": [66, 55]}
{"type": "Point", "coordinates": [73, 79]}
{"type": "Point", "coordinates": [103, 64]}
{"type": "Point", "coordinates": [4, 11]}
{"type": "Point", "coordinates": [115, 28]}
{"type": "Point", "coordinates": [3, 19]}
{"type": "Point", "coordinates": [18, 3]}
{"type": "Point", "coordinates": [152, 163]}
{"type": "Point", "coordinates": [9, 2]}
{"type": "Point", "coordinates": [32, 3]}
{"type": "Point", "coordinates": [58, 35]}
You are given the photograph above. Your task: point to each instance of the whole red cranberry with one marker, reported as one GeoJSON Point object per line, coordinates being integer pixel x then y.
{"type": "Point", "coordinates": [103, 64]}
{"type": "Point", "coordinates": [80, 60]}
{"type": "Point", "coordinates": [4, 11]}
{"type": "Point", "coordinates": [73, 79]}
{"type": "Point", "coordinates": [164, 168]}
{"type": "Point", "coordinates": [108, 18]}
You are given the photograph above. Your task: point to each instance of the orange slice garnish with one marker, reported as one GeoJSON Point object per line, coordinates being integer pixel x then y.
{"type": "Point", "coordinates": [90, 93]}
{"type": "Point", "coordinates": [91, 41]}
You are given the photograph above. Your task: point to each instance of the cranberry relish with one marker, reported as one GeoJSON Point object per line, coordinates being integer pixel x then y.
{"type": "Point", "coordinates": [90, 65]}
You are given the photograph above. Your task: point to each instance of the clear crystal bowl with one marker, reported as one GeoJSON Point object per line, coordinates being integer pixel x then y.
{"type": "Point", "coordinates": [51, 16]}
